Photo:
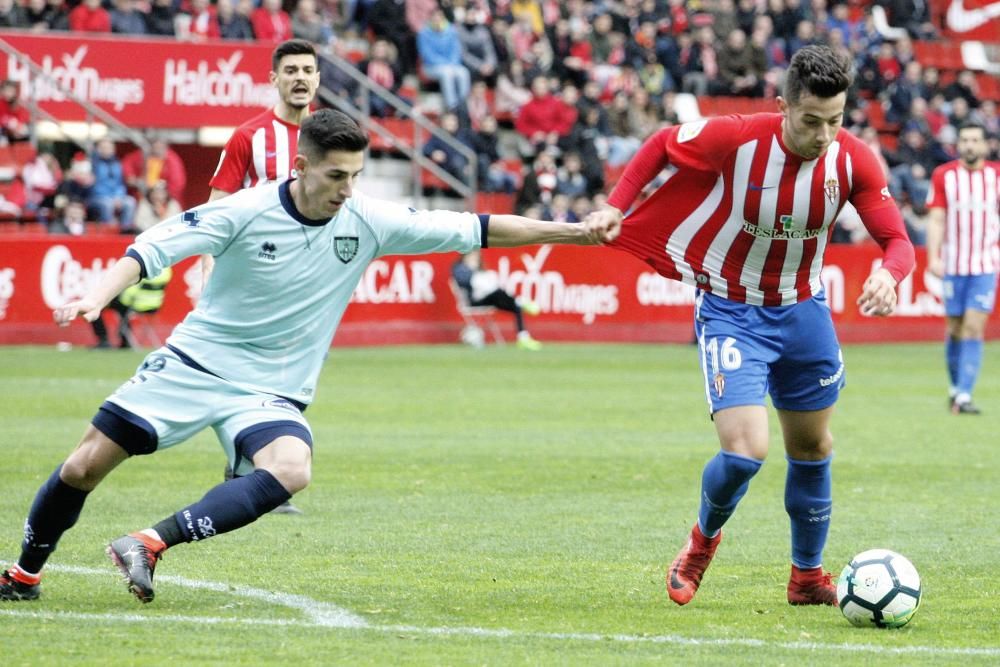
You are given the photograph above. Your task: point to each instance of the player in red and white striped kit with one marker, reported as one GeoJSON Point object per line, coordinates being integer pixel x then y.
{"type": "Point", "coordinates": [964, 206]}
{"type": "Point", "coordinates": [745, 216]}
{"type": "Point", "coordinates": [262, 150]}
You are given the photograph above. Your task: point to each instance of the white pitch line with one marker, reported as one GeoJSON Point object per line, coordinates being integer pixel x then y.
{"type": "Point", "coordinates": [324, 615]}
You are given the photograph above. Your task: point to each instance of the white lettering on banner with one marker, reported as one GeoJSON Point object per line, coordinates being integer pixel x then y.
{"type": "Point", "coordinates": [6, 289]}
{"type": "Point", "coordinates": [832, 277]}
{"type": "Point", "coordinates": [64, 278]}
{"type": "Point", "coordinates": [196, 84]}
{"type": "Point", "coordinates": [550, 291]}
{"type": "Point", "coordinates": [86, 82]}
{"type": "Point", "coordinates": [652, 289]}
{"type": "Point", "coordinates": [399, 282]}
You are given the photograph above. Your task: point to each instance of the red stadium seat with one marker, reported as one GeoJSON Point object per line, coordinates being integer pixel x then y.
{"type": "Point", "coordinates": [401, 128]}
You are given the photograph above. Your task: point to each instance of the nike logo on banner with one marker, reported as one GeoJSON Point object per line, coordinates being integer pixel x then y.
{"type": "Point", "coordinates": [961, 19]}
{"type": "Point", "coordinates": [758, 188]}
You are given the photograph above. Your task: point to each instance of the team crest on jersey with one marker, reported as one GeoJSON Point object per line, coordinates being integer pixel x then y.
{"type": "Point", "coordinates": [691, 130]}
{"type": "Point", "coordinates": [832, 189]}
{"type": "Point", "coordinates": [720, 384]}
{"type": "Point", "coordinates": [346, 247]}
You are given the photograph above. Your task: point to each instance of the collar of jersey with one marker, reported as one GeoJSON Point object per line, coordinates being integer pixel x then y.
{"type": "Point", "coordinates": [284, 193]}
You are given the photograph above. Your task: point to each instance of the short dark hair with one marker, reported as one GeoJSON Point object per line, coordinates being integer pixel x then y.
{"type": "Point", "coordinates": [974, 125]}
{"type": "Point", "coordinates": [817, 70]}
{"type": "Point", "coordinates": [330, 130]}
{"type": "Point", "coordinates": [292, 47]}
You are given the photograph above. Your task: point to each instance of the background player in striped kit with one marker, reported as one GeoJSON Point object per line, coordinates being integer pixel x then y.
{"type": "Point", "coordinates": [745, 217]}
{"type": "Point", "coordinates": [262, 150]}
{"type": "Point", "coordinates": [964, 207]}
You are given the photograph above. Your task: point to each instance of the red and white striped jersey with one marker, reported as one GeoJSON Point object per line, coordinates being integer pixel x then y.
{"type": "Point", "coordinates": [744, 217]}
{"type": "Point", "coordinates": [971, 201]}
{"type": "Point", "coordinates": [261, 150]}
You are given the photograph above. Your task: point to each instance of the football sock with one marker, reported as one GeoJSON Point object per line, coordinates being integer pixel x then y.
{"type": "Point", "coordinates": [230, 505]}
{"type": "Point", "coordinates": [169, 532]}
{"type": "Point", "coordinates": [725, 479]}
{"type": "Point", "coordinates": [951, 350]}
{"type": "Point", "coordinates": [55, 509]}
{"type": "Point", "coordinates": [970, 359]}
{"type": "Point", "coordinates": [809, 501]}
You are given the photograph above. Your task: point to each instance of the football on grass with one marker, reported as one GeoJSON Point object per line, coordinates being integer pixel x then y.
{"type": "Point", "coordinates": [879, 588]}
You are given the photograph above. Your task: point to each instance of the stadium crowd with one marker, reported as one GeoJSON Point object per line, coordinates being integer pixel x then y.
{"type": "Point", "coordinates": [575, 86]}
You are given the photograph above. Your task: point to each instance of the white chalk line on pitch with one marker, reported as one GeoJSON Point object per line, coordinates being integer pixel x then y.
{"type": "Point", "coordinates": [324, 615]}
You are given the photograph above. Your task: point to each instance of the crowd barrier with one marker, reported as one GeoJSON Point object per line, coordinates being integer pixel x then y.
{"type": "Point", "coordinates": [585, 294]}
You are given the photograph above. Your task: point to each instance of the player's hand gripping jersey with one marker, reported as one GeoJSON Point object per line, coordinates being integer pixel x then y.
{"type": "Point", "coordinates": [745, 218]}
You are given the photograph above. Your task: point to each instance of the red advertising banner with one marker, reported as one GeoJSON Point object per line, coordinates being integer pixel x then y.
{"type": "Point", "coordinates": [145, 82]}
{"type": "Point", "coordinates": [585, 294]}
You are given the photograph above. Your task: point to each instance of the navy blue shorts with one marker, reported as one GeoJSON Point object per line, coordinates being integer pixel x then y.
{"type": "Point", "coordinates": [789, 353]}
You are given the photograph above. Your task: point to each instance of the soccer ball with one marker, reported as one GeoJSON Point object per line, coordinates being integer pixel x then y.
{"type": "Point", "coordinates": [473, 336]}
{"type": "Point", "coordinates": [879, 588]}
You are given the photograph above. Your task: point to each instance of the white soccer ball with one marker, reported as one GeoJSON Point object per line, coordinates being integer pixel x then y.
{"type": "Point", "coordinates": [879, 588]}
{"type": "Point", "coordinates": [473, 336]}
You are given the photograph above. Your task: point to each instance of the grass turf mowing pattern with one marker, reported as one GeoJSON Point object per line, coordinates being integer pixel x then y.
{"type": "Point", "coordinates": [538, 493]}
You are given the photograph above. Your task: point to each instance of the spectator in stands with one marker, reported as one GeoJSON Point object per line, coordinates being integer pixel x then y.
{"type": "Point", "coordinates": [742, 66]}
{"type": "Point", "coordinates": [959, 112]}
{"type": "Point", "coordinates": [445, 154]}
{"type": "Point", "coordinates": [917, 118]}
{"type": "Point", "coordinates": [161, 18]}
{"type": "Point", "coordinates": [492, 173]}
{"type": "Point", "coordinates": [90, 16]}
{"type": "Point", "coordinates": [700, 62]}
{"type": "Point", "coordinates": [723, 13]}
{"type": "Point", "coordinates": [15, 121]}
{"type": "Point", "coordinates": [12, 15]}
{"type": "Point", "coordinates": [441, 59]}
{"type": "Point", "coordinates": [667, 109]}
{"type": "Point", "coordinates": [904, 91]}
{"type": "Point", "coordinates": [109, 198]}
{"type": "Point", "coordinates": [570, 179]}
{"type": "Point", "coordinates": [127, 18]}
{"type": "Point", "coordinates": [589, 139]}
{"type": "Point", "coordinates": [966, 87]}
{"type": "Point", "coordinates": [937, 113]}
{"type": "Point", "coordinates": [655, 78]}
{"type": "Point", "coordinates": [805, 35]}
{"type": "Point", "coordinates": [161, 164]}
{"type": "Point", "coordinates": [986, 115]}
{"type": "Point", "coordinates": [146, 296]}
{"type": "Point", "coordinates": [478, 52]}
{"type": "Point", "coordinates": [72, 195]}
{"type": "Point", "coordinates": [270, 22]}
{"type": "Point", "coordinates": [42, 16]}
{"type": "Point", "coordinates": [544, 120]}
{"type": "Point", "coordinates": [913, 164]}
{"type": "Point", "coordinates": [382, 67]}
{"type": "Point", "coordinates": [310, 25]}
{"type": "Point", "coordinates": [387, 19]}
{"type": "Point", "coordinates": [157, 205]}
{"type": "Point", "coordinates": [482, 288]}
{"type": "Point", "coordinates": [41, 177]}
{"type": "Point", "coordinates": [232, 24]}
{"type": "Point", "coordinates": [72, 219]}
{"type": "Point", "coordinates": [931, 81]}
{"type": "Point", "coordinates": [626, 130]}
{"type": "Point", "coordinates": [477, 105]}
{"type": "Point", "coordinates": [539, 183]}
{"type": "Point", "coordinates": [513, 90]}
{"type": "Point", "coordinates": [12, 199]}
{"type": "Point", "coordinates": [198, 22]}
{"type": "Point", "coordinates": [913, 15]}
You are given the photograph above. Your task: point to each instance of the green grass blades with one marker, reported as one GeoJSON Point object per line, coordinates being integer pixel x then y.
{"type": "Point", "coordinates": [501, 507]}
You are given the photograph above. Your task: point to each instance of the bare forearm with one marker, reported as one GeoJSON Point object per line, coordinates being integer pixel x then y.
{"type": "Point", "coordinates": [125, 272]}
{"type": "Point", "coordinates": [506, 231]}
{"type": "Point", "coordinates": [935, 232]}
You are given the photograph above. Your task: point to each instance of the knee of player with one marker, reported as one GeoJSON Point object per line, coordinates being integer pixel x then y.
{"type": "Point", "coordinates": [81, 473]}
{"type": "Point", "coordinates": [294, 476]}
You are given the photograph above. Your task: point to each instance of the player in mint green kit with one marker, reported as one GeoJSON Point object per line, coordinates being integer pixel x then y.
{"type": "Point", "coordinates": [245, 362]}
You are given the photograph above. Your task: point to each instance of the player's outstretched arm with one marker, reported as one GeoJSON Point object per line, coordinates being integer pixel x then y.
{"type": "Point", "coordinates": [125, 272]}
{"type": "Point", "coordinates": [506, 231]}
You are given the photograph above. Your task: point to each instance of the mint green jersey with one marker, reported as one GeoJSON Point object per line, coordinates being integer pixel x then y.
{"type": "Point", "coordinates": [281, 281]}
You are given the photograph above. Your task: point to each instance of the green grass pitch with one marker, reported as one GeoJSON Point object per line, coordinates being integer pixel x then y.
{"type": "Point", "coordinates": [498, 507]}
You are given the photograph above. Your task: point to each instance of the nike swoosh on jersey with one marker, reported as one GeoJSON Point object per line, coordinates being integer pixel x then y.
{"type": "Point", "coordinates": [961, 19]}
{"type": "Point", "coordinates": [758, 188]}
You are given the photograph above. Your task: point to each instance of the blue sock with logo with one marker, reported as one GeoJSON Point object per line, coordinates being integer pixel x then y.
{"type": "Point", "coordinates": [725, 479]}
{"type": "Point", "coordinates": [56, 508]}
{"type": "Point", "coordinates": [231, 505]}
{"type": "Point", "coordinates": [951, 355]}
{"type": "Point", "coordinates": [970, 359]}
{"type": "Point", "coordinates": [809, 502]}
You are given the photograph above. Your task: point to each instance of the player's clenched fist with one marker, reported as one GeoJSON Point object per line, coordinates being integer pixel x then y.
{"type": "Point", "coordinates": [604, 225]}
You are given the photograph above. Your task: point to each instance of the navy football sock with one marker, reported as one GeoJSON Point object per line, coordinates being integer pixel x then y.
{"type": "Point", "coordinates": [970, 354]}
{"type": "Point", "coordinates": [56, 508]}
{"type": "Point", "coordinates": [231, 505]}
{"type": "Point", "coordinates": [723, 482]}
{"type": "Point", "coordinates": [951, 355]}
{"type": "Point", "coordinates": [809, 501]}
